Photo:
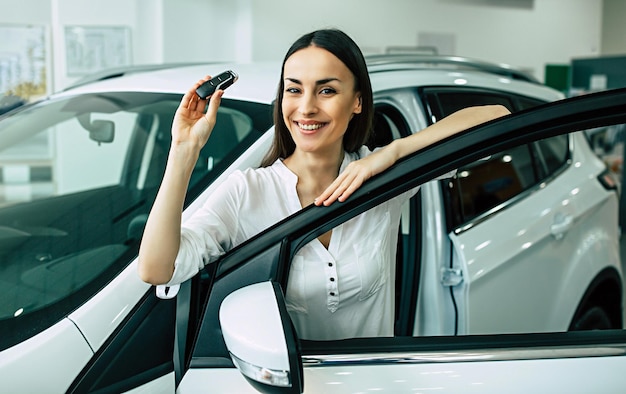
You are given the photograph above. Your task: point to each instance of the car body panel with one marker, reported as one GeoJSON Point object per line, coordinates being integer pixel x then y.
{"type": "Point", "coordinates": [441, 374]}
{"type": "Point", "coordinates": [435, 314]}
{"type": "Point", "coordinates": [178, 80]}
{"type": "Point", "coordinates": [162, 385]}
{"type": "Point", "coordinates": [404, 77]}
{"type": "Point", "coordinates": [59, 352]}
{"type": "Point", "coordinates": [100, 316]}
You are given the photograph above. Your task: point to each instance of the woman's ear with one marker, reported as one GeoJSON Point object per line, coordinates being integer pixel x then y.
{"type": "Point", "coordinates": [358, 107]}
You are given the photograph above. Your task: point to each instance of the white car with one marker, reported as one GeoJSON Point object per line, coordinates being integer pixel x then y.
{"type": "Point", "coordinates": [502, 270]}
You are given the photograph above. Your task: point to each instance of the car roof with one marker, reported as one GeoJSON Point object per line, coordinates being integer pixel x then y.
{"type": "Point", "coordinates": [178, 78]}
{"type": "Point", "coordinates": [401, 78]}
{"type": "Point", "coordinates": [258, 81]}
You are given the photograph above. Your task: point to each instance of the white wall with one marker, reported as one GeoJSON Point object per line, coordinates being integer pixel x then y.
{"type": "Point", "coordinates": [524, 33]}
{"type": "Point", "coordinates": [552, 31]}
{"type": "Point", "coordinates": [208, 30]}
{"type": "Point", "coordinates": [614, 31]}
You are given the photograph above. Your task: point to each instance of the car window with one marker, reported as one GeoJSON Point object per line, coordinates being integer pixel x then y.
{"type": "Point", "coordinates": [608, 144]}
{"type": "Point", "coordinates": [527, 102]}
{"type": "Point", "coordinates": [489, 182]}
{"type": "Point", "coordinates": [486, 184]}
{"type": "Point", "coordinates": [553, 153]}
{"type": "Point", "coordinates": [445, 101]}
{"type": "Point", "coordinates": [78, 177]}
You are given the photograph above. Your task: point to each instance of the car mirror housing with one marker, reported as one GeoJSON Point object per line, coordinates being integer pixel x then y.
{"type": "Point", "coordinates": [261, 339]}
{"type": "Point", "coordinates": [167, 292]}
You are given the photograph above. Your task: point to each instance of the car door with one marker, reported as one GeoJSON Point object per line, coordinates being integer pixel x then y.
{"type": "Point", "coordinates": [551, 362]}
{"type": "Point", "coordinates": [523, 221]}
{"type": "Point", "coordinates": [488, 206]}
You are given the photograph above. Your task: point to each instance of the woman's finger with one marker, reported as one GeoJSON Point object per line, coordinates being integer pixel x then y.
{"type": "Point", "coordinates": [214, 103]}
{"type": "Point", "coordinates": [336, 189]}
{"type": "Point", "coordinates": [328, 192]}
{"type": "Point", "coordinates": [191, 100]}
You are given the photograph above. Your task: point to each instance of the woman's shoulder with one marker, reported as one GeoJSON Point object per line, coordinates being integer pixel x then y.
{"type": "Point", "coordinates": [261, 174]}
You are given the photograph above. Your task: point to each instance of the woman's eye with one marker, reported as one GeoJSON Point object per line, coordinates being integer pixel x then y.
{"type": "Point", "coordinates": [292, 90]}
{"type": "Point", "coordinates": [328, 91]}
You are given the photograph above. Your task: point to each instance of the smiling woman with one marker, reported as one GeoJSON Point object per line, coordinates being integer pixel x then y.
{"type": "Point", "coordinates": [323, 118]}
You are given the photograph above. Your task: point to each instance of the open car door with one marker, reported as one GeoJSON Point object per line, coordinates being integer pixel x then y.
{"type": "Point", "coordinates": [243, 334]}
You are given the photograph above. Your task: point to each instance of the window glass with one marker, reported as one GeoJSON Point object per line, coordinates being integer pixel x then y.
{"type": "Point", "coordinates": [553, 152]}
{"type": "Point", "coordinates": [527, 102]}
{"type": "Point", "coordinates": [77, 179]}
{"type": "Point", "coordinates": [608, 143]}
{"type": "Point", "coordinates": [448, 102]}
{"type": "Point", "coordinates": [489, 182]}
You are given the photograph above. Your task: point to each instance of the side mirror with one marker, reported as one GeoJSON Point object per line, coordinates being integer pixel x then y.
{"type": "Point", "coordinates": [261, 338]}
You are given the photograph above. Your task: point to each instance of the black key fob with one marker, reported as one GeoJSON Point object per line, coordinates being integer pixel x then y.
{"type": "Point", "coordinates": [221, 81]}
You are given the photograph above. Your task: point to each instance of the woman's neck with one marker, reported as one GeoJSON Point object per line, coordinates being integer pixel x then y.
{"type": "Point", "coordinates": [315, 166]}
{"type": "Point", "coordinates": [315, 173]}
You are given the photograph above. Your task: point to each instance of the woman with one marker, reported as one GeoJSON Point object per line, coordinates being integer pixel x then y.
{"type": "Point", "coordinates": [338, 285]}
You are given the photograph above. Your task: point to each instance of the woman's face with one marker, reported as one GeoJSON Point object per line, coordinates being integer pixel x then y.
{"type": "Point", "coordinates": [319, 100]}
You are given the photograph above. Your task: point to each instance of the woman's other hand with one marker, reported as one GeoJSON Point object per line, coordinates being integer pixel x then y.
{"type": "Point", "coordinates": [355, 174]}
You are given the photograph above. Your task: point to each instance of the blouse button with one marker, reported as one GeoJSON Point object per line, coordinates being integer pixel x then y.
{"type": "Point", "coordinates": [330, 264]}
{"type": "Point", "coordinates": [332, 293]}
{"type": "Point", "coordinates": [332, 279]}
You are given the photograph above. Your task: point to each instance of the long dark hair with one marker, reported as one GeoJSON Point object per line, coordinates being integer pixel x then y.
{"type": "Point", "coordinates": [345, 49]}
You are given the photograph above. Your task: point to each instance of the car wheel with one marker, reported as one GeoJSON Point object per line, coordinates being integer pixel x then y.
{"type": "Point", "coordinates": [594, 318]}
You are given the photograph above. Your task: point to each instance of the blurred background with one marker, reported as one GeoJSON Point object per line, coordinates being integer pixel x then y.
{"type": "Point", "coordinates": [46, 45]}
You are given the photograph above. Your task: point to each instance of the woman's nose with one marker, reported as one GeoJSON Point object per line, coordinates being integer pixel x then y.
{"type": "Point", "coordinates": [308, 104]}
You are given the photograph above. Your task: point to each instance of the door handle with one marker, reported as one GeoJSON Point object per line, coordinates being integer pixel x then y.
{"type": "Point", "coordinates": [561, 225]}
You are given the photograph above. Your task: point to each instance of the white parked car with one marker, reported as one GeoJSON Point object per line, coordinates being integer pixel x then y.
{"type": "Point", "coordinates": [508, 275]}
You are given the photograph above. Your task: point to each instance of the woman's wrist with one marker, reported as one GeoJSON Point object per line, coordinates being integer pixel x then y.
{"type": "Point", "coordinates": [183, 157]}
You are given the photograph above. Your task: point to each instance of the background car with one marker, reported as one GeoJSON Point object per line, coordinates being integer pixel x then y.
{"type": "Point", "coordinates": [80, 171]}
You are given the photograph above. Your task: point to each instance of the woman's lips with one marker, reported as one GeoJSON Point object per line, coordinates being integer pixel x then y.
{"type": "Point", "coordinates": [309, 127]}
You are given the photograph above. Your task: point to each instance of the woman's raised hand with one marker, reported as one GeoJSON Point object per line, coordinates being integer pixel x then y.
{"type": "Point", "coordinates": [191, 123]}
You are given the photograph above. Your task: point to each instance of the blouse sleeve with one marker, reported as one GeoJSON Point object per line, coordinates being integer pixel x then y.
{"type": "Point", "coordinates": [210, 231]}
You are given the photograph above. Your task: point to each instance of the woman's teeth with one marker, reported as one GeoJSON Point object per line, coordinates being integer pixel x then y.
{"type": "Point", "coordinates": [310, 127]}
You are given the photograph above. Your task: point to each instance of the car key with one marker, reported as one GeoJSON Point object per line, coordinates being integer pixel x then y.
{"type": "Point", "coordinates": [221, 81]}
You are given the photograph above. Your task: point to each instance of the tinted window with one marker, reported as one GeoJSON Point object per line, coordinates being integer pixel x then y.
{"type": "Point", "coordinates": [553, 153]}
{"type": "Point", "coordinates": [487, 183]}
{"type": "Point", "coordinates": [525, 102]}
{"type": "Point", "coordinates": [79, 176]}
{"type": "Point", "coordinates": [445, 102]}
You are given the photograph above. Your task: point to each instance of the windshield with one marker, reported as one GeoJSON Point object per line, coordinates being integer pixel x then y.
{"type": "Point", "coordinates": [78, 176]}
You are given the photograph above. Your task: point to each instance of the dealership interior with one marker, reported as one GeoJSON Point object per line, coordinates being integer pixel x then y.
{"type": "Point", "coordinates": [77, 37]}
{"type": "Point", "coordinates": [574, 46]}
{"type": "Point", "coordinates": [515, 253]}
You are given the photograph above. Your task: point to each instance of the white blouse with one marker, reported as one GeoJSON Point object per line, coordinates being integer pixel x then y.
{"type": "Point", "coordinates": [345, 291]}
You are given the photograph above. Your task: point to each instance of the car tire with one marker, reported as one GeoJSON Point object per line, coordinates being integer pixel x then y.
{"type": "Point", "coordinates": [593, 318]}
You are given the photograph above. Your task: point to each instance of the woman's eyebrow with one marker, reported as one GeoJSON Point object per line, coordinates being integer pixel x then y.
{"type": "Point", "coordinates": [319, 82]}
